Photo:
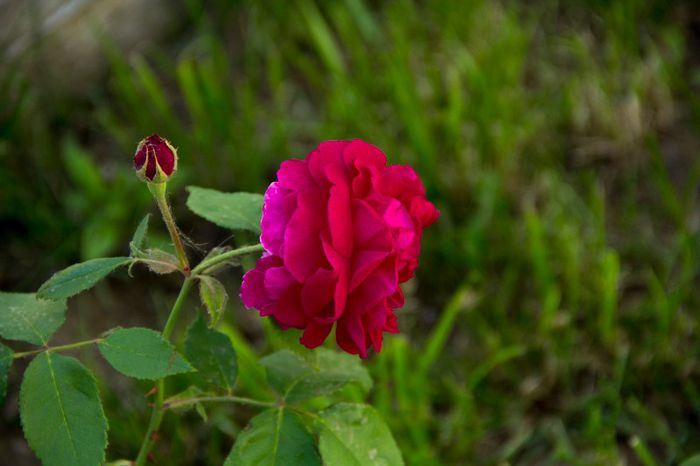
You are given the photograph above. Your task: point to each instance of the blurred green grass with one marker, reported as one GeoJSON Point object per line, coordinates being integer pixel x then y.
{"type": "Point", "coordinates": [554, 316]}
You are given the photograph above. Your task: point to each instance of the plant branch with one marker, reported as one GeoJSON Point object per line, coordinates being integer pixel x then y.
{"type": "Point", "coordinates": [70, 346]}
{"type": "Point", "coordinates": [205, 264]}
{"type": "Point", "coordinates": [158, 191]}
{"type": "Point", "coordinates": [177, 307]}
{"type": "Point", "coordinates": [227, 398]}
{"type": "Point", "coordinates": [157, 413]}
{"type": "Point", "coordinates": [158, 407]}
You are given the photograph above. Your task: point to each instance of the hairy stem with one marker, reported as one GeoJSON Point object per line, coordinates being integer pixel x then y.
{"type": "Point", "coordinates": [157, 413]}
{"type": "Point", "coordinates": [70, 346]}
{"type": "Point", "coordinates": [158, 408]}
{"type": "Point", "coordinates": [177, 307]}
{"type": "Point", "coordinates": [158, 191]}
{"type": "Point", "coordinates": [205, 264]}
{"type": "Point", "coordinates": [227, 398]}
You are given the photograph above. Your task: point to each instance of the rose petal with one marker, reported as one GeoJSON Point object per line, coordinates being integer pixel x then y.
{"type": "Point", "coordinates": [315, 333]}
{"type": "Point", "coordinates": [400, 182]}
{"type": "Point", "coordinates": [288, 311]}
{"type": "Point", "coordinates": [253, 291]}
{"type": "Point", "coordinates": [318, 291]}
{"type": "Point", "coordinates": [341, 268]}
{"type": "Point", "coordinates": [339, 212]}
{"type": "Point", "coordinates": [362, 154]}
{"type": "Point", "coordinates": [424, 211]}
{"type": "Point", "coordinates": [374, 322]}
{"type": "Point", "coordinates": [327, 153]}
{"type": "Point", "coordinates": [294, 175]}
{"type": "Point", "coordinates": [150, 163]}
{"type": "Point", "coordinates": [279, 205]}
{"type": "Point", "coordinates": [277, 281]}
{"type": "Point", "coordinates": [303, 253]}
{"type": "Point", "coordinates": [350, 335]}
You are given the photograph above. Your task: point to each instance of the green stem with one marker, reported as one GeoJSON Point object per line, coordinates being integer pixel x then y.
{"type": "Point", "coordinates": [205, 264]}
{"type": "Point", "coordinates": [158, 408]}
{"type": "Point", "coordinates": [177, 307]}
{"type": "Point", "coordinates": [157, 413]}
{"type": "Point", "coordinates": [231, 398]}
{"type": "Point", "coordinates": [158, 191]}
{"type": "Point", "coordinates": [57, 348]}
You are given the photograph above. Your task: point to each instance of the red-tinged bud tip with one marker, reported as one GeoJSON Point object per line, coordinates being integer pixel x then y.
{"type": "Point", "coordinates": [155, 159]}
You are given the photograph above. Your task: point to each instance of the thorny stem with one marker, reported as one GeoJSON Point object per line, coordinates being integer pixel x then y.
{"type": "Point", "coordinates": [157, 413]}
{"type": "Point", "coordinates": [57, 348]}
{"type": "Point", "coordinates": [158, 191]}
{"type": "Point", "coordinates": [158, 408]}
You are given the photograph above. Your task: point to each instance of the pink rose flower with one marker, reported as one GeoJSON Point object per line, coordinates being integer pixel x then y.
{"type": "Point", "coordinates": [341, 231]}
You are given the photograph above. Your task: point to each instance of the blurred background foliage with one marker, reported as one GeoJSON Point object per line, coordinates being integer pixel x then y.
{"type": "Point", "coordinates": [554, 317]}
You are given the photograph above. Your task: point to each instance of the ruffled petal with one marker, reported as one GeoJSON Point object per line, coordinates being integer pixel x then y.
{"type": "Point", "coordinates": [342, 230]}
{"type": "Point", "coordinates": [279, 205]}
{"type": "Point", "coordinates": [253, 291]}
{"type": "Point", "coordinates": [294, 175]}
{"type": "Point", "coordinates": [315, 333]}
{"type": "Point", "coordinates": [277, 281]}
{"type": "Point", "coordinates": [363, 154]}
{"type": "Point", "coordinates": [303, 254]}
{"type": "Point", "coordinates": [326, 154]}
{"type": "Point", "coordinates": [424, 211]}
{"type": "Point", "coordinates": [350, 335]}
{"type": "Point", "coordinates": [340, 211]}
{"type": "Point", "coordinates": [341, 267]}
{"type": "Point", "coordinates": [318, 291]}
{"type": "Point", "coordinates": [288, 311]}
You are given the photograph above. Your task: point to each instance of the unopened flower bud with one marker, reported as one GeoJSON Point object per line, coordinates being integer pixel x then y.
{"type": "Point", "coordinates": [155, 159]}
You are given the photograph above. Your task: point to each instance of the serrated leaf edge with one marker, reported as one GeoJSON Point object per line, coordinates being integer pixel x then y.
{"type": "Point", "coordinates": [47, 354]}
{"type": "Point", "coordinates": [250, 226]}
{"type": "Point", "coordinates": [172, 348]}
{"type": "Point", "coordinates": [41, 292]}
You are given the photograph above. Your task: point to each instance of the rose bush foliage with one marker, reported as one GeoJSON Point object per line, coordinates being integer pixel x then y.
{"type": "Point", "coordinates": [339, 231]}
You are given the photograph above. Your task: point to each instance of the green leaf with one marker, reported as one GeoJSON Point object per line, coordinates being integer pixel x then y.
{"type": "Point", "coordinates": [79, 277]}
{"type": "Point", "coordinates": [355, 435]}
{"type": "Point", "coordinates": [692, 461]}
{"type": "Point", "coordinates": [212, 354]}
{"type": "Point", "coordinates": [24, 317]}
{"type": "Point", "coordinates": [159, 261]}
{"type": "Point", "coordinates": [275, 437]}
{"type": "Point", "coordinates": [142, 353]}
{"type": "Point", "coordinates": [236, 211]}
{"type": "Point", "coordinates": [295, 379]}
{"type": "Point", "coordinates": [214, 297]}
{"type": "Point", "coordinates": [284, 368]}
{"type": "Point", "coordinates": [61, 412]}
{"type": "Point", "coordinates": [335, 362]}
{"type": "Point", "coordinates": [139, 235]}
{"type": "Point", "coordinates": [5, 364]}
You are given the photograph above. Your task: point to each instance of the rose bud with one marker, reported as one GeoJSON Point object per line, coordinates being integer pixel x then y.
{"type": "Point", "coordinates": [155, 159]}
{"type": "Point", "coordinates": [341, 231]}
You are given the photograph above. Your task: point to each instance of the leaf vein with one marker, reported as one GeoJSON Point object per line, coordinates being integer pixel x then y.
{"type": "Point", "coordinates": [32, 327]}
{"type": "Point", "coordinates": [278, 428]}
{"type": "Point", "coordinates": [60, 405]}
